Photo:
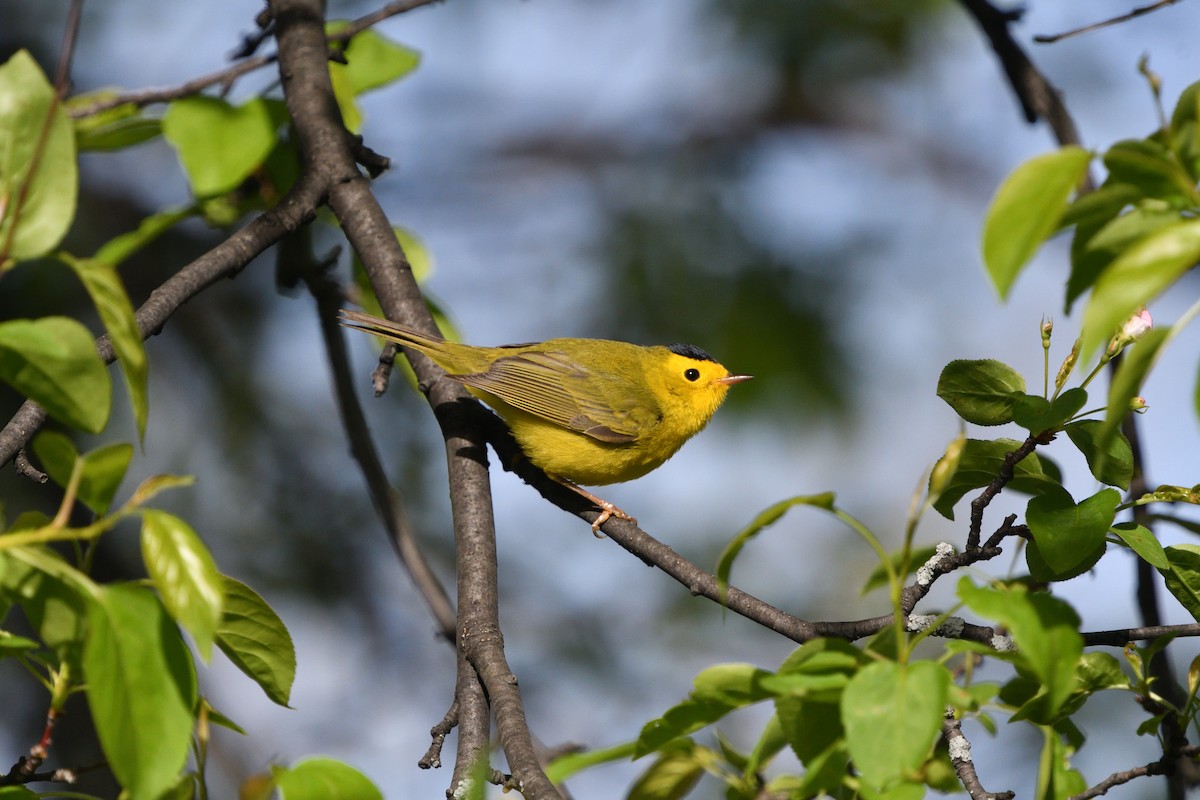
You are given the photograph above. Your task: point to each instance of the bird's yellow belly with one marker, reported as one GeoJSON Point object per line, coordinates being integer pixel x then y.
{"type": "Point", "coordinates": [580, 458]}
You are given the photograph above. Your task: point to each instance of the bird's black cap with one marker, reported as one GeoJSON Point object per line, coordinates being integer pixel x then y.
{"type": "Point", "coordinates": [690, 351]}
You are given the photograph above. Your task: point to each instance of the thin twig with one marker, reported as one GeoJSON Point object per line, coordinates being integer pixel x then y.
{"type": "Point", "coordinates": [1164, 766]}
{"type": "Point", "coordinates": [433, 756]}
{"type": "Point", "coordinates": [66, 52]}
{"type": "Point", "coordinates": [1095, 26]}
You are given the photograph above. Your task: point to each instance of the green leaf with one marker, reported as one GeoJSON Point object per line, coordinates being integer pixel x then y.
{"type": "Point", "coordinates": [1026, 210]}
{"type": "Point", "coordinates": [116, 311]}
{"type": "Point", "coordinates": [1143, 542]}
{"type": "Point", "coordinates": [1042, 572]}
{"type": "Point", "coordinates": [1037, 414]}
{"type": "Point", "coordinates": [1096, 209]}
{"type": "Point", "coordinates": [1055, 777]}
{"type": "Point", "coordinates": [54, 607]}
{"type": "Point", "coordinates": [150, 487]}
{"type": "Point", "coordinates": [672, 775]}
{"type": "Point", "coordinates": [980, 463]}
{"type": "Point", "coordinates": [982, 392]}
{"type": "Point", "coordinates": [102, 470]}
{"type": "Point", "coordinates": [1148, 166]}
{"type": "Point", "coordinates": [141, 689]}
{"type": "Point", "coordinates": [256, 641]}
{"type": "Point", "coordinates": [1110, 458]}
{"type": "Point", "coordinates": [718, 690]}
{"type": "Point", "coordinates": [115, 128]}
{"type": "Point", "coordinates": [320, 778]}
{"type": "Point", "coordinates": [13, 645]}
{"type": "Point", "coordinates": [1094, 248]}
{"type": "Point", "coordinates": [17, 793]}
{"type": "Point", "coordinates": [1045, 629]}
{"type": "Point", "coordinates": [563, 767]}
{"type": "Point", "coordinates": [53, 361]}
{"type": "Point", "coordinates": [1136, 277]}
{"type": "Point", "coordinates": [764, 519]}
{"type": "Point", "coordinates": [1098, 671]}
{"type": "Point", "coordinates": [119, 248]}
{"type": "Point", "coordinates": [1067, 532]}
{"type": "Point", "coordinates": [808, 688]}
{"type": "Point", "coordinates": [185, 575]}
{"type": "Point", "coordinates": [39, 177]}
{"type": "Point", "coordinates": [1183, 576]}
{"type": "Point", "coordinates": [893, 715]}
{"type": "Point", "coordinates": [373, 60]}
{"type": "Point", "coordinates": [219, 145]}
{"type": "Point", "coordinates": [1136, 363]}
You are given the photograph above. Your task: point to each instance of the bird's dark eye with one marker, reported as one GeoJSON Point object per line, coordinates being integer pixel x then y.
{"type": "Point", "coordinates": [692, 374]}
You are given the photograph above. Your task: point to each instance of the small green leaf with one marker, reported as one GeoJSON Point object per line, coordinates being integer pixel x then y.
{"type": "Point", "coordinates": [1026, 210]}
{"type": "Point", "coordinates": [17, 793]}
{"type": "Point", "coordinates": [1183, 576]}
{"type": "Point", "coordinates": [672, 776]}
{"type": "Point", "coordinates": [764, 519]}
{"type": "Point", "coordinates": [322, 778]}
{"type": "Point", "coordinates": [53, 361]}
{"type": "Point", "coordinates": [1112, 465]}
{"type": "Point", "coordinates": [563, 767]}
{"type": "Point", "coordinates": [219, 145]}
{"type": "Point", "coordinates": [1143, 542]}
{"type": "Point", "coordinates": [1067, 532]}
{"type": "Point", "coordinates": [1148, 166]}
{"type": "Point", "coordinates": [120, 247]}
{"type": "Point", "coordinates": [102, 470]}
{"type": "Point", "coordinates": [141, 689]}
{"type": "Point", "coordinates": [13, 645]}
{"type": "Point", "coordinates": [116, 311]}
{"type": "Point", "coordinates": [1098, 671]}
{"type": "Point", "coordinates": [1098, 208]}
{"type": "Point", "coordinates": [893, 715]}
{"type": "Point", "coordinates": [115, 128]}
{"type": "Point", "coordinates": [718, 690]}
{"type": "Point", "coordinates": [1037, 414]}
{"type": "Point", "coordinates": [256, 641]}
{"type": "Point", "coordinates": [185, 575]}
{"type": "Point", "coordinates": [373, 60]}
{"type": "Point", "coordinates": [158, 483]}
{"type": "Point", "coordinates": [1045, 629]}
{"type": "Point", "coordinates": [39, 176]}
{"type": "Point", "coordinates": [982, 392]}
{"type": "Point", "coordinates": [980, 463]}
{"type": "Point", "coordinates": [1136, 277]}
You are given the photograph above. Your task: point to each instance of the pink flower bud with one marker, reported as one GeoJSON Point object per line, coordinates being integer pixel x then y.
{"type": "Point", "coordinates": [1138, 405]}
{"type": "Point", "coordinates": [1137, 325]}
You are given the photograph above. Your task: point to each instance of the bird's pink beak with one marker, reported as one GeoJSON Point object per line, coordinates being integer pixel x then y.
{"type": "Point", "coordinates": [729, 380]}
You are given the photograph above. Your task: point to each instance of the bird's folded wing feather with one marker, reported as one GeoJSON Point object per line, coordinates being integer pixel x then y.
{"type": "Point", "coordinates": [555, 387]}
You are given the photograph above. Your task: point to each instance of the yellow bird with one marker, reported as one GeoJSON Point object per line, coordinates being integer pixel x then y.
{"type": "Point", "coordinates": [587, 411]}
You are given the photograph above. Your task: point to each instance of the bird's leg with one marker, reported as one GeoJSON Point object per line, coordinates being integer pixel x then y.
{"type": "Point", "coordinates": [607, 509]}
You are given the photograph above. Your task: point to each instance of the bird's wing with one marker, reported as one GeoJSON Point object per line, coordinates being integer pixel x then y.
{"type": "Point", "coordinates": [555, 387]}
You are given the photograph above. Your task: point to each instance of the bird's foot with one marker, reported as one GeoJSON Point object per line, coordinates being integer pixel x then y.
{"type": "Point", "coordinates": [607, 511]}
